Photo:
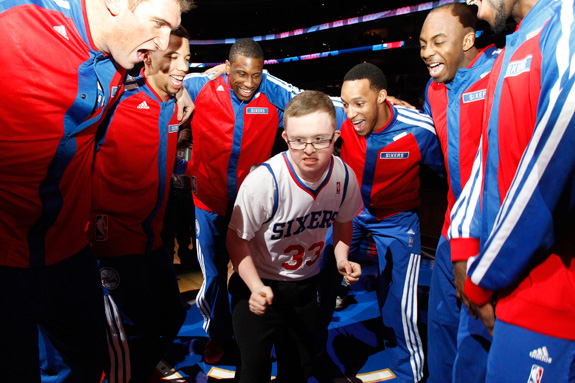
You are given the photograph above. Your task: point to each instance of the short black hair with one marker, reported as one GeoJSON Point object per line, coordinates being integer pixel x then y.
{"type": "Point", "coordinates": [377, 80]}
{"type": "Point", "coordinates": [181, 32]}
{"type": "Point", "coordinates": [246, 48]}
{"type": "Point", "coordinates": [466, 14]}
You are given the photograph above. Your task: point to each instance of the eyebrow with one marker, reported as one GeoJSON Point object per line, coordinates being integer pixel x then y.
{"type": "Point", "coordinates": [164, 21]}
{"type": "Point", "coordinates": [438, 35]}
{"type": "Point", "coordinates": [441, 34]}
{"type": "Point", "coordinates": [358, 98]}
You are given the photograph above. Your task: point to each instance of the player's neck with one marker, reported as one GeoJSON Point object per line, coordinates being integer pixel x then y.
{"type": "Point", "coordinates": [383, 116]}
{"type": "Point", "coordinates": [156, 84]}
{"type": "Point", "coordinates": [469, 57]}
{"type": "Point", "coordinates": [521, 8]}
{"type": "Point", "coordinates": [96, 14]}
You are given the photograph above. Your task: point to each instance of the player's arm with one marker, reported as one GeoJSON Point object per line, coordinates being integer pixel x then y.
{"type": "Point", "coordinates": [216, 71]}
{"type": "Point", "coordinates": [342, 232]}
{"type": "Point", "coordinates": [429, 146]}
{"type": "Point", "coordinates": [464, 231]}
{"type": "Point", "coordinates": [277, 91]}
{"type": "Point", "coordinates": [185, 105]}
{"type": "Point", "coordinates": [262, 295]}
{"type": "Point", "coordinates": [399, 102]}
{"type": "Point", "coordinates": [194, 82]}
{"type": "Point", "coordinates": [542, 189]}
{"type": "Point", "coordinates": [254, 205]}
{"type": "Point", "coordinates": [343, 228]}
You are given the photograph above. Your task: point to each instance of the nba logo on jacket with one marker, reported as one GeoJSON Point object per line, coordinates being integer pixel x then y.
{"type": "Point", "coordinates": [536, 374]}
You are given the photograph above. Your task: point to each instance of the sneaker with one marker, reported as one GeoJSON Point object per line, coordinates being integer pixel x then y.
{"type": "Point", "coordinates": [214, 351]}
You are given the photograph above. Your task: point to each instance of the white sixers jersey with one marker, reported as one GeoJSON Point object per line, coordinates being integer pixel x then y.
{"type": "Point", "coordinates": [288, 220]}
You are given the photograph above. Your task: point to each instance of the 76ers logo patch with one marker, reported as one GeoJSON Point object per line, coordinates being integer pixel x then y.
{"type": "Point", "coordinates": [110, 278]}
{"type": "Point", "coordinates": [536, 375]}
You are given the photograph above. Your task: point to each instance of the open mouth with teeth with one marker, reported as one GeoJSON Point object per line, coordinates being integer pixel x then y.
{"type": "Point", "coordinates": [358, 125]}
{"type": "Point", "coordinates": [435, 69]}
{"type": "Point", "coordinates": [177, 80]}
{"type": "Point", "coordinates": [246, 92]}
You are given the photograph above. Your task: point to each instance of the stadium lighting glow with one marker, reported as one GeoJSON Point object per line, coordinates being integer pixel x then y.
{"type": "Point", "coordinates": [336, 24]}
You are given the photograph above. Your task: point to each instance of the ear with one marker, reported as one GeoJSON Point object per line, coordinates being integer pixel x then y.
{"type": "Point", "coordinates": [468, 41]}
{"type": "Point", "coordinates": [381, 96]}
{"type": "Point", "coordinates": [284, 135]}
{"type": "Point", "coordinates": [228, 67]}
{"type": "Point", "coordinates": [336, 135]}
{"type": "Point", "coordinates": [114, 6]}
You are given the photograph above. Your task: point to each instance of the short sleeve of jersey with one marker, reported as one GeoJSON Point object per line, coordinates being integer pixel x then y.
{"type": "Point", "coordinates": [353, 203]}
{"type": "Point", "coordinates": [254, 204]}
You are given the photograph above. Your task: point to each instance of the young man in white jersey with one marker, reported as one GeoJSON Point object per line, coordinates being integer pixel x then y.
{"type": "Point", "coordinates": [276, 236]}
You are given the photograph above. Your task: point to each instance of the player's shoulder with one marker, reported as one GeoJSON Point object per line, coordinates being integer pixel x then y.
{"type": "Point", "coordinates": [554, 35]}
{"type": "Point", "coordinates": [414, 116]}
{"type": "Point", "coordinates": [269, 168]}
{"type": "Point", "coordinates": [273, 84]}
{"type": "Point", "coordinates": [197, 77]}
{"type": "Point", "coordinates": [197, 80]}
{"type": "Point", "coordinates": [487, 57]}
{"type": "Point", "coordinates": [63, 6]}
{"type": "Point", "coordinates": [415, 120]}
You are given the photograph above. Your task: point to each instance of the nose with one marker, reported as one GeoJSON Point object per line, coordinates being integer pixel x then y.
{"type": "Point", "coordinates": [183, 64]}
{"type": "Point", "coordinates": [162, 39]}
{"type": "Point", "coordinates": [426, 52]}
{"type": "Point", "coordinates": [249, 83]}
{"type": "Point", "coordinates": [309, 149]}
{"type": "Point", "coordinates": [350, 112]}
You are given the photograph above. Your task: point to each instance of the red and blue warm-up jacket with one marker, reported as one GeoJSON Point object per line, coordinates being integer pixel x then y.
{"type": "Point", "coordinates": [132, 170]}
{"type": "Point", "coordinates": [457, 109]}
{"type": "Point", "coordinates": [230, 136]}
{"type": "Point", "coordinates": [56, 88]}
{"type": "Point", "coordinates": [387, 161]}
{"type": "Point", "coordinates": [515, 216]}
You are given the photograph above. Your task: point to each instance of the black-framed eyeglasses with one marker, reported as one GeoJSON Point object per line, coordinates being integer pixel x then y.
{"type": "Point", "coordinates": [318, 143]}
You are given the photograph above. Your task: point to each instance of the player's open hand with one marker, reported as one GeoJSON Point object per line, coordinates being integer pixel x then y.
{"type": "Point", "coordinates": [261, 299]}
{"type": "Point", "coordinates": [397, 101]}
{"type": "Point", "coordinates": [351, 271]}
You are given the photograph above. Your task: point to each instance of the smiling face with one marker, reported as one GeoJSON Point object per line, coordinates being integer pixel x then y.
{"type": "Point", "coordinates": [245, 76]}
{"type": "Point", "coordinates": [443, 42]}
{"type": "Point", "coordinates": [310, 164]}
{"type": "Point", "coordinates": [145, 27]}
{"type": "Point", "coordinates": [365, 107]}
{"type": "Point", "coordinates": [165, 70]}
